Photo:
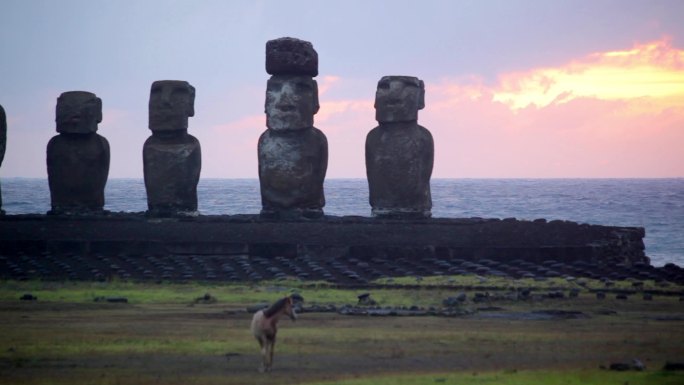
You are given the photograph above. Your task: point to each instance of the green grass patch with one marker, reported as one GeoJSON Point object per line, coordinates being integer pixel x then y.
{"type": "Point", "coordinates": [140, 292]}
{"type": "Point", "coordinates": [478, 281]}
{"type": "Point", "coordinates": [163, 337]}
{"type": "Point", "coordinates": [186, 293]}
{"type": "Point", "coordinates": [430, 291]}
{"type": "Point", "coordinates": [560, 377]}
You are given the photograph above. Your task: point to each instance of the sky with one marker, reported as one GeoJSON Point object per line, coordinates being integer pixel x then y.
{"type": "Point", "coordinates": [514, 89]}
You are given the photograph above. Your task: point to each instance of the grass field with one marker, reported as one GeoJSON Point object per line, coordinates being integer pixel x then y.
{"type": "Point", "coordinates": [162, 336]}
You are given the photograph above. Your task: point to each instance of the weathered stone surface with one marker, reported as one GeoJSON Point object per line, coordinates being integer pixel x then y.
{"type": "Point", "coordinates": [363, 238]}
{"type": "Point", "coordinates": [78, 112]}
{"type": "Point", "coordinates": [290, 56]}
{"type": "Point", "coordinates": [636, 364]}
{"type": "Point", "coordinates": [291, 102]}
{"type": "Point", "coordinates": [3, 146]}
{"type": "Point", "coordinates": [171, 103]}
{"type": "Point", "coordinates": [111, 299]}
{"type": "Point", "coordinates": [292, 167]}
{"type": "Point", "coordinates": [398, 99]}
{"type": "Point", "coordinates": [172, 168]}
{"type": "Point", "coordinates": [345, 250]}
{"type": "Point", "coordinates": [292, 153]}
{"type": "Point", "coordinates": [78, 167]}
{"type": "Point", "coordinates": [399, 152]}
{"type": "Point", "coordinates": [77, 158]}
{"type": "Point", "coordinates": [672, 366]}
{"type": "Point", "coordinates": [457, 300]}
{"type": "Point", "coordinates": [172, 159]}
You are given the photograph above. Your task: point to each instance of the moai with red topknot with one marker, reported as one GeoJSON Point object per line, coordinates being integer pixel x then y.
{"type": "Point", "coordinates": [293, 154]}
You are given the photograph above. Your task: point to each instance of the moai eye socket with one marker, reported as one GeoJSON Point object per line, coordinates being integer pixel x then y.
{"type": "Point", "coordinates": [384, 85]}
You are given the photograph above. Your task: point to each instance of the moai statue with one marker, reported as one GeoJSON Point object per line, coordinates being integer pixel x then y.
{"type": "Point", "coordinates": [3, 145]}
{"type": "Point", "coordinates": [293, 154]}
{"type": "Point", "coordinates": [77, 158]}
{"type": "Point", "coordinates": [172, 158]}
{"type": "Point", "coordinates": [399, 152]}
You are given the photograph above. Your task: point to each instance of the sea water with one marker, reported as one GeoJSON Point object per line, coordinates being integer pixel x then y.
{"type": "Point", "coordinates": [655, 204]}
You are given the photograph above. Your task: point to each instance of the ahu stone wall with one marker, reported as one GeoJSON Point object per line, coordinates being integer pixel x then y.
{"type": "Point", "coordinates": [330, 248]}
{"type": "Point", "coordinates": [399, 237]}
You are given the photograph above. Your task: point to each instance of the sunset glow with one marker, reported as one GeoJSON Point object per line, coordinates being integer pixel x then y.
{"type": "Point", "coordinates": [531, 89]}
{"type": "Point", "coordinates": [653, 70]}
{"type": "Point", "coordinates": [617, 113]}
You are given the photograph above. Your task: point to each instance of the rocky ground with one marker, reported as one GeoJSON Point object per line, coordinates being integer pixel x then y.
{"type": "Point", "coordinates": [337, 270]}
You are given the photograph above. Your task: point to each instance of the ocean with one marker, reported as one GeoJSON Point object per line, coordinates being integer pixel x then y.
{"type": "Point", "coordinates": [655, 204]}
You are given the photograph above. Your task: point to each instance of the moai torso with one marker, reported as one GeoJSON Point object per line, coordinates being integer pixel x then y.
{"type": "Point", "coordinates": [172, 169]}
{"type": "Point", "coordinates": [398, 166]}
{"type": "Point", "coordinates": [172, 159]}
{"type": "Point", "coordinates": [399, 152]}
{"type": "Point", "coordinates": [292, 168]}
{"type": "Point", "coordinates": [292, 153]}
{"type": "Point", "coordinates": [77, 158]}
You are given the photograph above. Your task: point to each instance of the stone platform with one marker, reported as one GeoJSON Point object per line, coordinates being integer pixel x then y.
{"type": "Point", "coordinates": [344, 250]}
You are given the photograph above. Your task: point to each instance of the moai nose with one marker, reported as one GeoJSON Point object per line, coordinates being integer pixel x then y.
{"type": "Point", "coordinates": [287, 97]}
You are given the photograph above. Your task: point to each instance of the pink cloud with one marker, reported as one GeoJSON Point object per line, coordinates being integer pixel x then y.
{"type": "Point", "coordinates": [325, 83]}
{"type": "Point", "coordinates": [654, 69]}
{"type": "Point", "coordinates": [611, 114]}
{"type": "Point", "coordinates": [346, 123]}
{"type": "Point", "coordinates": [547, 123]}
{"type": "Point", "coordinates": [584, 137]}
{"type": "Point", "coordinates": [229, 149]}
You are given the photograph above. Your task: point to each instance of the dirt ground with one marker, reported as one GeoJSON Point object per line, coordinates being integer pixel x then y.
{"type": "Point", "coordinates": [63, 343]}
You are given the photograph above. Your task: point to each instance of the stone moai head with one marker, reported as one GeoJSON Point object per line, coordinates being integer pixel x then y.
{"type": "Point", "coordinates": [398, 99]}
{"type": "Point", "coordinates": [78, 112]}
{"type": "Point", "coordinates": [291, 102]}
{"type": "Point", "coordinates": [291, 93]}
{"type": "Point", "coordinates": [172, 102]}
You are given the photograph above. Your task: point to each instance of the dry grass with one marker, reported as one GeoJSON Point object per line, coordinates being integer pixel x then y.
{"type": "Point", "coordinates": [150, 342]}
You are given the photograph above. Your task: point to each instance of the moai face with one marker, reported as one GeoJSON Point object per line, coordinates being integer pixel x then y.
{"type": "Point", "coordinates": [78, 112]}
{"type": "Point", "coordinates": [171, 103]}
{"type": "Point", "coordinates": [291, 102]}
{"type": "Point", "coordinates": [398, 99]}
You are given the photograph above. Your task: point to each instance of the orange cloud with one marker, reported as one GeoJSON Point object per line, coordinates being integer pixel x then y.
{"type": "Point", "coordinates": [653, 70]}
{"type": "Point", "coordinates": [336, 112]}
{"type": "Point", "coordinates": [611, 114]}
